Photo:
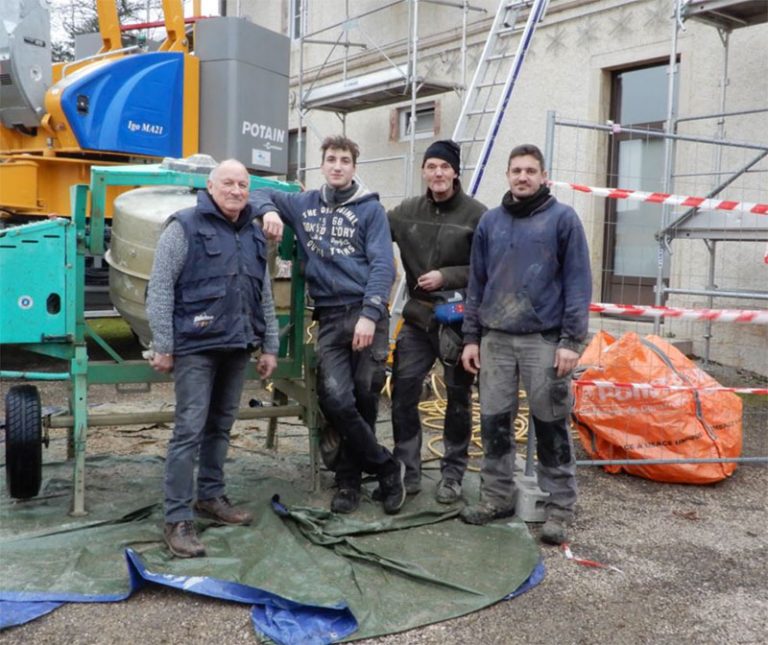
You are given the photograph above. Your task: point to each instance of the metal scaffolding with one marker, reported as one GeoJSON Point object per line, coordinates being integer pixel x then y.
{"type": "Point", "coordinates": [710, 227]}
{"type": "Point", "coordinates": [725, 16]}
{"type": "Point", "coordinates": [394, 83]}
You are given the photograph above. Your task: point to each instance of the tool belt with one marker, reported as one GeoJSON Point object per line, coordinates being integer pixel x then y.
{"type": "Point", "coordinates": [420, 313]}
{"type": "Point", "coordinates": [426, 315]}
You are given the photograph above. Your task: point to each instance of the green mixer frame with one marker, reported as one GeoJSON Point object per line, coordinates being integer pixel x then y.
{"type": "Point", "coordinates": [42, 310]}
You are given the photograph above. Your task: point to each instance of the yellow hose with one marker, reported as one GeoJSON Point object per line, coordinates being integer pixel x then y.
{"type": "Point", "coordinates": [433, 413]}
{"type": "Point", "coordinates": [308, 331]}
{"type": "Point", "coordinates": [433, 417]}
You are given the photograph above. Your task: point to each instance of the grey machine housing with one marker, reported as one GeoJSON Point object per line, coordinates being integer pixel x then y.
{"type": "Point", "coordinates": [244, 73]}
{"type": "Point", "coordinates": [25, 62]}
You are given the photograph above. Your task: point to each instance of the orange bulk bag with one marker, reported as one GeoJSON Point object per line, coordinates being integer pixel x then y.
{"type": "Point", "coordinates": [616, 422]}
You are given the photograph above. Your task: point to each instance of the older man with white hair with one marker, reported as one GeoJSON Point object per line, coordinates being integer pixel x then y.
{"type": "Point", "coordinates": [210, 307]}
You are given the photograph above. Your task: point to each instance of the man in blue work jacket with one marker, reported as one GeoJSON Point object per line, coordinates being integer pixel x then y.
{"type": "Point", "coordinates": [526, 319]}
{"type": "Point", "coordinates": [210, 307]}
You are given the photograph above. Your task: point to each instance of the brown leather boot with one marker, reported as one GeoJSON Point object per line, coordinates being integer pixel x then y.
{"type": "Point", "coordinates": [220, 509]}
{"type": "Point", "coordinates": [182, 541]}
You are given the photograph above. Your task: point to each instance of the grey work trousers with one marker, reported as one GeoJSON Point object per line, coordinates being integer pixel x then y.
{"type": "Point", "coordinates": [415, 353]}
{"type": "Point", "coordinates": [506, 359]}
{"type": "Point", "coordinates": [208, 389]}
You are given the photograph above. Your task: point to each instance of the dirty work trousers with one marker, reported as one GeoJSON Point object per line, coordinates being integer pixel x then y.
{"type": "Point", "coordinates": [505, 360]}
{"type": "Point", "coordinates": [348, 387]}
{"type": "Point", "coordinates": [208, 386]}
{"type": "Point", "coordinates": [415, 354]}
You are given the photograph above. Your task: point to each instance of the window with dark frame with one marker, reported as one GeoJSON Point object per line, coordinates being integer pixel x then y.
{"type": "Point", "coordinates": [636, 162]}
{"type": "Point", "coordinates": [294, 163]}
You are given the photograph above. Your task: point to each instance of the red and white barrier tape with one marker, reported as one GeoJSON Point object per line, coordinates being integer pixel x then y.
{"type": "Point", "coordinates": [702, 203]}
{"type": "Point", "coordinates": [755, 316]}
{"type": "Point", "coordinates": [587, 563]}
{"type": "Point", "coordinates": [675, 388]}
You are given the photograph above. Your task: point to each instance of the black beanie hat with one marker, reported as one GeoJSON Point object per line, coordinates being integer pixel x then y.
{"type": "Point", "coordinates": [446, 150]}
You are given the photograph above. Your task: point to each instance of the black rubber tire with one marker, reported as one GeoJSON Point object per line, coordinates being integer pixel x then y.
{"type": "Point", "coordinates": [330, 446]}
{"type": "Point", "coordinates": [23, 442]}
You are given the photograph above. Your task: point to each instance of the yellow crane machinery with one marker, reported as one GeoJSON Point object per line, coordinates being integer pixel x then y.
{"type": "Point", "coordinates": [126, 105]}
{"type": "Point", "coordinates": [53, 128]}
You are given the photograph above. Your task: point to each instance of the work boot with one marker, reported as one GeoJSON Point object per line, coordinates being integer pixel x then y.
{"type": "Point", "coordinates": [555, 530]}
{"type": "Point", "coordinates": [485, 511]}
{"type": "Point", "coordinates": [412, 487]}
{"type": "Point", "coordinates": [346, 500]}
{"type": "Point", "coordinates": [393, 489]}
{"type": "Point", "coordinates": [448, 491]}
{"type": "Point", "coordinates": [220, 510]}
{"type": "Point", "coordinates": [181, 538]}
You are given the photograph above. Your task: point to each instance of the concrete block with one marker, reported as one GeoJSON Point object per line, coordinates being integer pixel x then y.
{"type": "Point", "coordinates": [530, 499]}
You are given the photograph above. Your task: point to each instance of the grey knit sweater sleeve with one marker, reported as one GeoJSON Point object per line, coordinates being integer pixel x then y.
{"type": "Point", "coordinates": [271, 342]}
{"type": "Point", "coordinates": [170, 255]}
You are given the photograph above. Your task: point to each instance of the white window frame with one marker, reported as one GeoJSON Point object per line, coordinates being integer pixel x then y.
{"type": "Point", "coordinates": [403, 116]}
{"type": "Point", "coordinates": [295, 10]}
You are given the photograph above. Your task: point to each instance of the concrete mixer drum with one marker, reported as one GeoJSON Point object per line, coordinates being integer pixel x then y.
{"type": "Point", "coordinates": [138, 220]}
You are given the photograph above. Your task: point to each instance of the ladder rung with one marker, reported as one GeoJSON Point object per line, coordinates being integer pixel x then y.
{"type": "Point", "coordinates": [515, 4]}
{"type": "Point", "coordinates": [470, 140]}
{"type": "Point", "coordinates": [507, 31]}
{"type": "Point", "coordinates": [476, 112]}
{"type": "Point", "coordinates": [481, 86]}
{"type": "Point", "coordinates": [500, 56]}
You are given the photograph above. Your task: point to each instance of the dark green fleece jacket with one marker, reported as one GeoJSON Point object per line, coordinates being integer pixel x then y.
{"type": "Point", "coordinates": [436, 235]}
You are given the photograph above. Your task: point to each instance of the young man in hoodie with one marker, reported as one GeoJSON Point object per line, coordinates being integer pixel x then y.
{"type": "Point", "coordinates": [434, 233]}
{"type": "Point", "coordinates": [526, 319]}
{"type": "Point", "coordinates": [344, 233]}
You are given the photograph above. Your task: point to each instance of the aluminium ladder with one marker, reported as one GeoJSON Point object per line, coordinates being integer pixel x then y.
{"type": "Point", "coordinates": [479, 122]}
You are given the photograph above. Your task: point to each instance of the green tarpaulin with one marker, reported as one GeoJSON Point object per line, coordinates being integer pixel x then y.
{"type": "Point", "coordinates": [394, 572]}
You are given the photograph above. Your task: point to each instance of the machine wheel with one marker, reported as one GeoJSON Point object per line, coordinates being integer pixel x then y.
{"type": "Point", "coordinates": [330, 445]}
{"type": "Point", "coordinates": [23, 441]}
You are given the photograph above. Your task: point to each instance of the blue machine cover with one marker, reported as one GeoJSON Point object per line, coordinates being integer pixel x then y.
{"type": "Point", "coordinates": [132, 104]}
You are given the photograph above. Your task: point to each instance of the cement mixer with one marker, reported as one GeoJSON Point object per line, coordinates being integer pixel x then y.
{"type": "Point", "coordinates": [42, 310]}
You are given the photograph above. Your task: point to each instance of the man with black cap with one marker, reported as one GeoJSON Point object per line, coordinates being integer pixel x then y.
{"type": "Point", "coordinates": [434, 233]}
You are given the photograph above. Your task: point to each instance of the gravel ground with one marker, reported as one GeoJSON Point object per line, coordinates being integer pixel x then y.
{"type": "Point", "coordinates": [693, 561]}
